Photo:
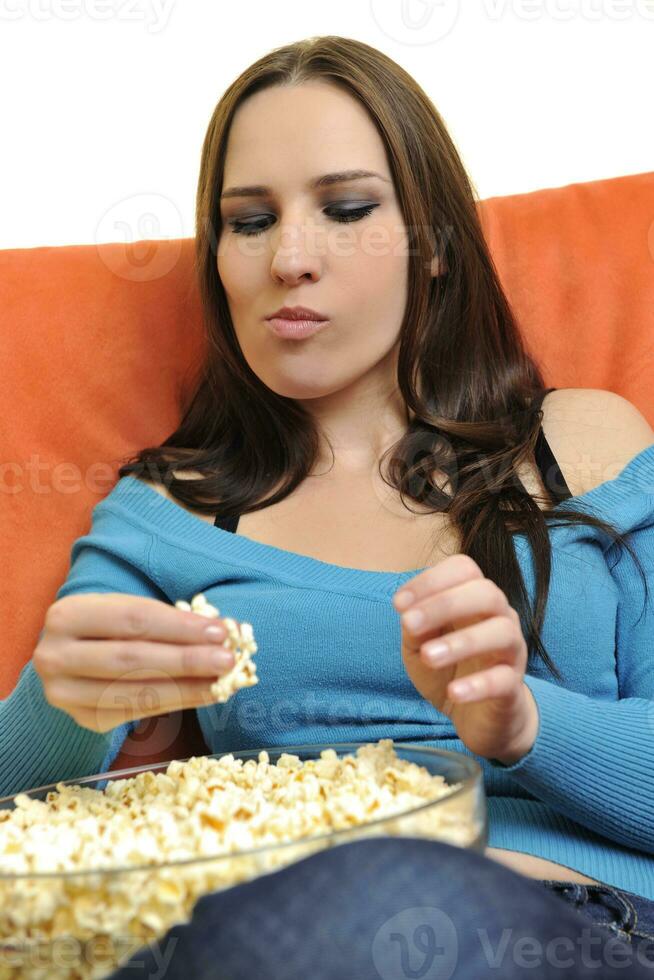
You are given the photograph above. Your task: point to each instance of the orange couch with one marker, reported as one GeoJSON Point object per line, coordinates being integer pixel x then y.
{"type": "Point", "coordinates": [100, 342]}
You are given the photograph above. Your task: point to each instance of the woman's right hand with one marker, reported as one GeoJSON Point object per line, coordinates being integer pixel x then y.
{"type": "Point", "coordinates": [108, 658]}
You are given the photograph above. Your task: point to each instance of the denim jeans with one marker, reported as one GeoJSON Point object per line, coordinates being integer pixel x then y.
{"type": "Point", "coordinates": [398, 908]}
{"type": "Point", "coordinates": [627, 915]}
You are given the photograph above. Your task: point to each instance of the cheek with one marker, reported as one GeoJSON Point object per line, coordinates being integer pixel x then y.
{"type": "Point", "coordinates": [239, 270]}
{"type": "Point", "coordinates": [373, 282]}
{"type": "Point", "coordinates": [383, 246]}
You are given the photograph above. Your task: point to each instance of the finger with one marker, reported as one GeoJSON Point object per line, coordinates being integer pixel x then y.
{"type": "Point", "coordinates": [479, 597]}
{"type": "Point", "coordinates": [128, 700]}
{"type": "Point", "coordinates": [500, 681]}
{"type": "Point", "coordinates": [114, 659]}
{"type": "Point", "coordinates": [128, 617]}
{"type": "Point", "coordinates": [497, 636]}
{"type": "Point", "coordinates": [447, 573]}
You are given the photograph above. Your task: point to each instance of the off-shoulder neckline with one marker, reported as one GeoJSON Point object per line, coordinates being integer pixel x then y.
{"type": "Point", "coordinates": [647, 454]}
{"type": "Point", "coordinates": [293, 566]}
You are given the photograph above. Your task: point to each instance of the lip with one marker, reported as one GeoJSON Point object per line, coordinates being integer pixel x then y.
{"type": "Point", "coordinates": [295, 329]}
{"type": "Point", "coordinates": [297, 313]}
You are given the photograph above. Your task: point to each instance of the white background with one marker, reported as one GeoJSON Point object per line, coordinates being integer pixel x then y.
{"type": "Point", "coordinates": [104, 103]}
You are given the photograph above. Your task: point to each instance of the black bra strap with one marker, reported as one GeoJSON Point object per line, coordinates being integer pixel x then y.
{"type": "Point", "coordinates": [226, 523]}
{"type": "Point", "coordinates": [550, 470]}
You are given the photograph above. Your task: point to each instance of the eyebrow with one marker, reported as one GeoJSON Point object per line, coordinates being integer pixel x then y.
{"type": "Point", "coordinates": [259, 190]}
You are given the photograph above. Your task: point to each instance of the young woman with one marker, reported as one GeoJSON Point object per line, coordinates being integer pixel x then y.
{"type": "Point", "coordinates": [331, 192]}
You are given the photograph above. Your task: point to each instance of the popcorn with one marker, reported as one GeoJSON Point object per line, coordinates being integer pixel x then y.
{"type": "Point", "coordinates": [204, 807]}
{"type": "Point", "coordinates": [244, 671]}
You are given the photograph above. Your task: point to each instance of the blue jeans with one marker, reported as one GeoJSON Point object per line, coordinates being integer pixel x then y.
{"type": "Point", "coordinates": [627, 915]}
{"type": "Point", "coordinates": [398, 908]}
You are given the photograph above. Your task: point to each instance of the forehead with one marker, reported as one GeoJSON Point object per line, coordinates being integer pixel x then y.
{"type": "Point", "coordinates": [285, 132]}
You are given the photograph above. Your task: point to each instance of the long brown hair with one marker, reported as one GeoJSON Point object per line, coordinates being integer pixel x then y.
{"type": "Point", "coordinates": [463, 368]}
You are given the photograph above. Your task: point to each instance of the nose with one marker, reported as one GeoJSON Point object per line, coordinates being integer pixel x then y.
{"type": "Point", "coordinates": [296, 253]}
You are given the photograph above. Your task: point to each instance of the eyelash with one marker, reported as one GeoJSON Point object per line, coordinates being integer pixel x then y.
{"type": "Point", "coordinates": [351, 214]}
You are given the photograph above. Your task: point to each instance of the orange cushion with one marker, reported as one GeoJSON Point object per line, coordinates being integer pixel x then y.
{"type": "Point", "coordinates": [100, 341]}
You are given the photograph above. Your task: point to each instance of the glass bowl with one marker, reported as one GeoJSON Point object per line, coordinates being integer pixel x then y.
{"type": "Point", "coordinates": [119, 910]}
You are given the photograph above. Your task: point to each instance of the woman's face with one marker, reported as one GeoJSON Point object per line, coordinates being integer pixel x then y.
{"type": "Point", "coordinates": [354, 272]}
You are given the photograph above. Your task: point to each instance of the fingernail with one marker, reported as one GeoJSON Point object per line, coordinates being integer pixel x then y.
{"type": "Point", "coordinates": [215, 632]}
{"type": "Point", "coordinates": [436, 652]}
{"type": "Point", "coordinates": [223, 659]}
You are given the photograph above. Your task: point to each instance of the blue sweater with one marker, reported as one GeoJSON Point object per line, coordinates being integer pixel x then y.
{"type": "Point", "coordinates": [330, 669]}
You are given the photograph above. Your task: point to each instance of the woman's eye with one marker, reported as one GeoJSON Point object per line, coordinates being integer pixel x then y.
{"type": "Point", "coordinates": [337, 214]}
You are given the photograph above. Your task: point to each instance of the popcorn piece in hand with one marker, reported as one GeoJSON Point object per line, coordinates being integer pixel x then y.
{"type": "Point", "coordinates": [241, 642]}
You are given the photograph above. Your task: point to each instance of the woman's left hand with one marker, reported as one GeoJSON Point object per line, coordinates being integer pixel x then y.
{"type": "Point", "coordinates": [497, 718]}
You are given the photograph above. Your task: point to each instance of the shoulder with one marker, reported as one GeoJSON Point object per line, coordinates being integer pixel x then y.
{"type": "Point", "coordinates": [593, 434]}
